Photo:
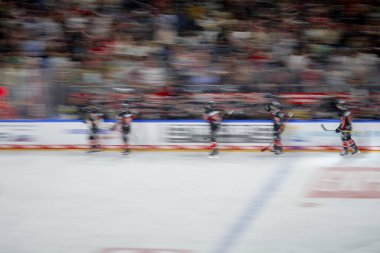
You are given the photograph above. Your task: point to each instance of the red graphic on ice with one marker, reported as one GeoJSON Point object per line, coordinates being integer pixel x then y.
{"type": "Point", "coordinates": [347, 183]}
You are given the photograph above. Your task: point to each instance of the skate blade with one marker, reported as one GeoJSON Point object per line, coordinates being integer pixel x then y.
{"type": "Point", "coordinates": [213, 156]}
{"type": "Point", "coordinates": [92, 151]}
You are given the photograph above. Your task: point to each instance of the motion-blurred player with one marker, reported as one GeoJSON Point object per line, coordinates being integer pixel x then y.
{"type": "Point", "coordinates": [345, 129]}
{"type": "Point", "coordinates": [279, 119]}
{"type": "Point", "coordinates": [93, 118]}
{"type": "Point", "coordinates": [124, 121]}
{"type": "Point", "coordinates": [214, 117]}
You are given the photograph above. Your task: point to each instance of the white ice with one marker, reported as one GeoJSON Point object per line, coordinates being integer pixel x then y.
{"type": "Point", "coordinates": [72, 202]}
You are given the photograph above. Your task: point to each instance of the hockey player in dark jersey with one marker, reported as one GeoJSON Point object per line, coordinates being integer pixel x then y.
{"type": "Point", "coordinates": [124, 121]}
{"type": "Point", "coordinates": [345, 128]}
{"type": "Point", "coordinates": [279, 119]}
{"type": "Point", "coordinates": [214, 117]}
{"type": "Point", "coordinates": [93, 119]}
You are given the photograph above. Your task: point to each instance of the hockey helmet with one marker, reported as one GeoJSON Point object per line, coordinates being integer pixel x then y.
{"type": "Point", "coordinates": [124, 106]}
{"type": "Point", "coordinates": [341, 105]}
{"type": "Point", "coordinates": [273, 106]}
{"type": "Point", "coordinates": [210, 105]}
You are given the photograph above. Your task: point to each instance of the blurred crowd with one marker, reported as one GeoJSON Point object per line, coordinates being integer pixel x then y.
{"type": "Point", "coordinates": [168, 57]}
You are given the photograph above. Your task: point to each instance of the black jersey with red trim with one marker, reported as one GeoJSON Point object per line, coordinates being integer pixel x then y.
{"type": "Point", "coordinates": [93, 121]}
{"type": "Point", "coordinates": [278, 120]}
{"type": "Point", "coordinates": [345, 119]}
{"type": "Point", "coordinates": [213, 116]}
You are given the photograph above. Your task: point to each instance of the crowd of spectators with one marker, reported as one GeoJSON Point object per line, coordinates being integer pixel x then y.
{"type": "Point", "coordinates": [168, 57]}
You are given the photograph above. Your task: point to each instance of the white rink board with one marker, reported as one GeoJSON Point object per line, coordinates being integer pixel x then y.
{"type": "Point", "coordinates": [237, 133]}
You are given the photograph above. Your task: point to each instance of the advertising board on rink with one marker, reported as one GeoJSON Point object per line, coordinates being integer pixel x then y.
{"type": "Point", "coordinates": [18, 133]}
{"type": "Point", "coordinates": [242, 133]}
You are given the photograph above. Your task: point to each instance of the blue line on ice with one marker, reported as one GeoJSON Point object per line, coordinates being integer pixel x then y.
{"type": "Point", "coordinates": [254, 207]}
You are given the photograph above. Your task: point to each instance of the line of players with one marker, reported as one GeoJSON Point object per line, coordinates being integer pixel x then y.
{"type": "Point", "coordinates": [214, 116]}
{"type": "Point", "coordinates": [93, 117]}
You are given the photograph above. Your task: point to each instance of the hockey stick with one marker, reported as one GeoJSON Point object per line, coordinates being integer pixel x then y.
{"type": "Point", "coordinates": [228, 114]}
{"type": "Point", "coordinates": [324, 128]}
{"type": "Point", "coordinates": [267, 147]}
{"type": "Point", "coordinates": [331, 130]}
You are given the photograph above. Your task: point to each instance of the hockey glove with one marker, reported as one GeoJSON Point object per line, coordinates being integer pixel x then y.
{"type": "Point", "coordinates": [337, 130]}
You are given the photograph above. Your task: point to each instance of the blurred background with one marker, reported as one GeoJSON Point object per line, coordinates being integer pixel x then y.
{"type": "Point", "coordinates": [168, 57]}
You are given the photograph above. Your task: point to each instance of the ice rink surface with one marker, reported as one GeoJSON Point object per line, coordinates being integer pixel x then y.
{"type": "Point", "coordinates": [72, 202]}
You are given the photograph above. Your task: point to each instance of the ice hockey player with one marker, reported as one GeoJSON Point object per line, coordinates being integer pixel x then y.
{"type": "Point", "coordinates": [124, 121]}
{"type": "Point", "coordinates": [345, 129]}
{"type": "Point", "coordinates": [279, 119]}
{"type": "Point", "coordinates": [93, 118]}
{"type": "Point", "coordinates": [214, 117]}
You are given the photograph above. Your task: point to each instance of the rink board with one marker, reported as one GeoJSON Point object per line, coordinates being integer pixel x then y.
{"type": "Point", "coordinates": [184, 135]}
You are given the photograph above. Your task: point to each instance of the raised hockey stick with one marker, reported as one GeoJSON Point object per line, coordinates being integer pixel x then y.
{"type": "Point", "coordinates": [324, 128]}
{"type": "Point", "coordinates": [332, 130]}
{"type": "Point", "coordinates": [228, 114]}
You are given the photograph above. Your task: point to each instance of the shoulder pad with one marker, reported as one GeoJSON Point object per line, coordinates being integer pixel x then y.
{"type": "Point", "coordinates": [213, 113]}
{"type": "Point", "coordinates": [346, 113]}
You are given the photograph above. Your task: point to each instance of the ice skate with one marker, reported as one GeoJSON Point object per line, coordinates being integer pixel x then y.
{"type": "Point", "coordinates": [355, 152]}
{"type": "Point", "coordinates": [93, 150]}
{"type": "Point", "coordinates": [126, 152]}
{"type": "Point", "coordinates": [278, 152]}
{"type": "Point", "coordinates": [214, 154]}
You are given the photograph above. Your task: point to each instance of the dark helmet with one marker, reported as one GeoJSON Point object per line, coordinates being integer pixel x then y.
{"type": "Point", "coordinates": [93, 106]}
{"type": "Point", "coordinates": [273, 107]}
{"type": "Point", "coordinates": [124, 106]}
{"type": "Point", "coordinates": [341, 105]}
{"type": "Point", "coordinates": [210, 105]}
